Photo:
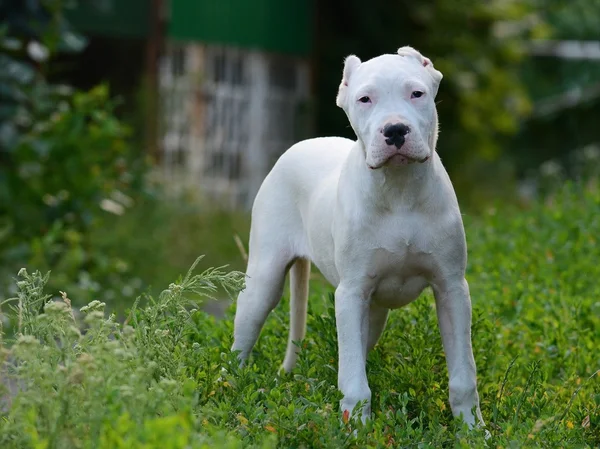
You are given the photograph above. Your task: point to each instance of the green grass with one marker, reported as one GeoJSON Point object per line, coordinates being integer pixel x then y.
{"type": "Point", "coordinates": [166, 378]}
{"type": "Point", "coordinates": [151, 244]}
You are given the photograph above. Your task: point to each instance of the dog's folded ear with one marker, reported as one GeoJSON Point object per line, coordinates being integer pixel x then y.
{"type": "Point", "coordinates": [425, 62]}
{"type": "Point", "coordinates": [351, 63]}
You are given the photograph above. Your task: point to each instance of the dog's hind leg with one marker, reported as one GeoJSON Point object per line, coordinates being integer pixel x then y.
{"type": "Point", "coordinates": [275, 243]}
{"type": "Point", "coordinates": [299, 275]}
{"type": "Point", "coordinates": [377, 319]}
{"type": "Point", "coordinates": [264, 287]}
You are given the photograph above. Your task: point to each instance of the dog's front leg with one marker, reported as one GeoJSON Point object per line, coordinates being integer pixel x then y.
{"type": "Point", "coordinates": [352, 322]}
{"type": "Point", "coordinates": [453, 304]}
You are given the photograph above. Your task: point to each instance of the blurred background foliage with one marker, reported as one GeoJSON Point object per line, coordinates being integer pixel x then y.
{"type": "Point", "coordinates": [75, 192]}
{"type": "Point", "coordinates": [483, 99]}
{"type": "Point", "coordinates": [66, 159]}
{"type": "Point", "coordinates": [75, 197]}
{"type": "Point", "coordinates": [492, 134]}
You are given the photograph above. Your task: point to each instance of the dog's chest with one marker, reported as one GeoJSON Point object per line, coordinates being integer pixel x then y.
{"type": "Point", "coordinates": [398, 277]}
{"type": "Point", "coordinates": [401, 263]}
{"type": "Point", "coordinates": [397, 291]}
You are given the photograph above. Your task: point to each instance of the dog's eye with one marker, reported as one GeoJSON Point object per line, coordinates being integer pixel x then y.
{"type": "Point", "coordinates": [364, 99]}
{"type": "Point", "coordinates": [416, 94]}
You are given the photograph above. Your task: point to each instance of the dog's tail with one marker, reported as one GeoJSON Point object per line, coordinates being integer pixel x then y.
{"type": "Point", "coordinates": [299, 275]}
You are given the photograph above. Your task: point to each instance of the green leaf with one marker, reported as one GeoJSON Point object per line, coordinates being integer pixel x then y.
{"type": "Point", "coordinates": [71, 42]}
{"type": "Point", "coordinates": [11, 69]}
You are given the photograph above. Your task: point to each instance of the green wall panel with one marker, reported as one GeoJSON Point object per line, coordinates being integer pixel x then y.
{"type": "Point", "coordinates": [284, 26]}
{"type": "Point", "coordinates": [112, 18]}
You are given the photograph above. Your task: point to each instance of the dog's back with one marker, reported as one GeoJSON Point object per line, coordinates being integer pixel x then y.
{"type": "Point", "coordinates": [306, 164]}
{"type": "Point", "coordinates": [305, 169]}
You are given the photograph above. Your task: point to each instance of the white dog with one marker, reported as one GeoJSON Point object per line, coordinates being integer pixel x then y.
{"type": "Point", "coordinates": [380, 220]}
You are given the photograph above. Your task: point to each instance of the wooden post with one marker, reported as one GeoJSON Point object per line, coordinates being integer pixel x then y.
{"type": "Point", "coordinates": [154, 46]}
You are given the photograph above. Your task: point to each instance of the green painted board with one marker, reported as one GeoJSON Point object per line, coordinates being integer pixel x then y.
{"type": "Point", "coordinates": [283, 26]}
{"type": "Point", "coordinates": [111, 18]}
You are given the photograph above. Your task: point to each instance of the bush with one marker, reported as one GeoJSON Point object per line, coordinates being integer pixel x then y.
{"type": "Point", "coordinates": [66, 162]}
{"type": "Point", "coordinates": [65, 177]}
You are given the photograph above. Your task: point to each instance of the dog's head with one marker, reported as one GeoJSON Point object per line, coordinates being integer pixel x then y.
{"type": "Point", "coordinates": [389, 101]}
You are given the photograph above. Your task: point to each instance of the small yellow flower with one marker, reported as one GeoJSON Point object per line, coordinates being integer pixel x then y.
{"type": "Point", "coordinates": [441, 404]}
{"type": "Point", "coordinates": [570, 424]}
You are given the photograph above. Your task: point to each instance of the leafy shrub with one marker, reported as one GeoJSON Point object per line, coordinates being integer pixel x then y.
{"type": "Point", "coordinates": [66, 161]}
{"type": "Point", "coordinates": [64, 178]}
{"type": "Point", "coordinates": [31, 34]}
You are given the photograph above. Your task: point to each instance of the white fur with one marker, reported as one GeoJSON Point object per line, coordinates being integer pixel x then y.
{"type": "Point", "coordinates": [381, 223]}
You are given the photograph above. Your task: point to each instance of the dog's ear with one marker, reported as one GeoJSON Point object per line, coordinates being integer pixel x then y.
{"type": "Point", "coordinates": [351, 63]}
{"type": "Point", "coordinates": [425, 62]}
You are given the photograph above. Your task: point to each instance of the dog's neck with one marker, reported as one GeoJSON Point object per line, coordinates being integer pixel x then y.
{"type": "Point", "coordinates": [408, 185]}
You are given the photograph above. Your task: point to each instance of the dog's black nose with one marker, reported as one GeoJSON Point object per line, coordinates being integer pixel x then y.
{"type": "Point", "coordinates": [395, 134]}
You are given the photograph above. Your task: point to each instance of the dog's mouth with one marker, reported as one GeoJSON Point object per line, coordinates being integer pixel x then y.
{"type": "Point", "coordinates": [398, 159]}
